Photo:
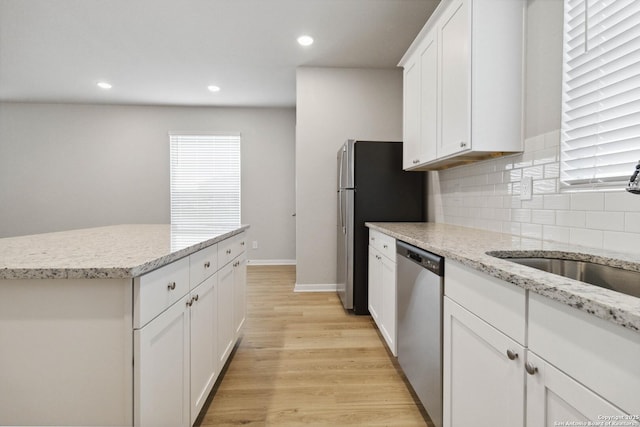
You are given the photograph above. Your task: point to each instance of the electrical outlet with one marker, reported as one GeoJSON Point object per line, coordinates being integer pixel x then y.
{"type": "Point", "coordinates": [526, 188]}
{"type": "Point", "coordinates": [254, 244]}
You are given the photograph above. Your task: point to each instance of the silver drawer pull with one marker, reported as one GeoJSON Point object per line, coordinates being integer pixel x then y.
{"type": "Point", "coordinates": [228, 251]}
{"type": "Point", "coordinates": [196, 297]}
{"type": "Point", "coordinates": [171, 286]}
{"type": "Point", "coordinates": [530, 368]}
{"type": "Point", "coordinates": [207, 264]}
{"type": "Point", "coordinates": [385, 246]}
{"type": "Point", "coordinates": [512, 355]}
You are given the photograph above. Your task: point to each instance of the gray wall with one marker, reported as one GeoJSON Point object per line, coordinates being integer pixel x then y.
{"type": "Point", "coordinates": [543, 67]}
{"type": "Point", "coordinates": [65, 166]}
{"type": "Point", "coordinates": [333, 105]}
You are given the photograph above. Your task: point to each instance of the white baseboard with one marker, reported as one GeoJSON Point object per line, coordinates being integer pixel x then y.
{"type": "Point", "coordinates": [315, 287]}
{"type": "Point", "coordinates": [271, 261]}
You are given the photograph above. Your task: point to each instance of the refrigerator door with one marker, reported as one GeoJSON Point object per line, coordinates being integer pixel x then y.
{"type": "Point", "coordinates": [345, 248]}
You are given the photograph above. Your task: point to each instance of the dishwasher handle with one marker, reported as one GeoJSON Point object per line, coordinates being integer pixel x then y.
{"type": "Point", "coordinates": [425, 259]}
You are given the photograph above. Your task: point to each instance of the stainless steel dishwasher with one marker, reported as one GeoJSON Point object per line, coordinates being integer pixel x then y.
{"type": "Point", "coordinates": [419, 299]}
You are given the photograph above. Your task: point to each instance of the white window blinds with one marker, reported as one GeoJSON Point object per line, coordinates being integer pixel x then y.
{"type": "Point", "coordinates": [601, 92]}
{"type": "Point", "coordinates": [205, 179]}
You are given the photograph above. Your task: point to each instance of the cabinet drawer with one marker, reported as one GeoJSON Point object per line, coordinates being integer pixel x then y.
{"type": "Point", "coordinates": [383, 243]}
{"type": "Point", "coordinates": [202, 265]}
{"type": "Point", "coordinates": [599, 354]}
{"type": "Point", "coordinates": [230, 248]}
{"type": "Point", "coordinates": [501, 304]}
{"type": "Point", "coordinates": [157, 290]}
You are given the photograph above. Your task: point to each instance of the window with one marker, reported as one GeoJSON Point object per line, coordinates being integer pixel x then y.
{"type": "Point", "coordinates": [205, 179]}
{"type": "Point", "coordinates": [601, 93]}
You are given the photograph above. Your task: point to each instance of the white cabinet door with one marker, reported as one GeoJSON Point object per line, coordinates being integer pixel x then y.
{"type": "Point", "coordinates": [240, 293]}
{"type": "Point", "coordinates": [161, 358]}
{"type": "Point", "coordinates": [375, 284]}
{"type": "Point", "coordinates": [204, 353]}
{"type": "Point", "coordinates": [554, 398]}
{"type": "Point", "coordinates": [387, 302]}
{"type": "Point", "coordinates": [483, 373]}
{"type": "Point", "coordinates": [226, 330]}
{"type": "Point", "coordinates": [411, 115]}
{"type": "Point", "coordinates": [429, 98]}
{"type": "Point", "coordinates": [455, 82]}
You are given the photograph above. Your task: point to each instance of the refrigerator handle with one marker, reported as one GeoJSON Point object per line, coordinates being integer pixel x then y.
{"type": "Point", "coordinates": [340, 190]}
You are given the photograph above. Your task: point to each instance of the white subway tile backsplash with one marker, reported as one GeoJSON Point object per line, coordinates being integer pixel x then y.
{"type": "Point", "coordinates": [587, 201]}
{"type": "Point", "coordinates": [557, 201]}
{"type": "Point", "coordinates": [487, 195]}
{"type": "Point", "coordinates": [521, 215]}
{"type": "Point", "coordinates": [542, 216]}
{"type": "Point", "coordinates": [621, 242]}
{"type": "Point", "coordinates": [613, 221]}
{"type": "Point", "coordinates": [536, 202]}
{"type": "Point", "coordinates": [531, 230]}
{"type": "Point", "coordinates": [571, 218]}
{"type": "Point", "coordinates": [622, 201]}
{"type": "Point", "coordinates": [586, 237]}
{"type": "Point", "coordinates": [555, 233]}
{"type": "Point", "coordinates": [535, 172]}
{"type": "Point", "coordinates": [552, 170]}
{"type": "Point", "coordinates": [632, 222]}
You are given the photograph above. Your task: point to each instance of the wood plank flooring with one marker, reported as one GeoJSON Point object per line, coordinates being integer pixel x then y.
{"type": "Point", "coordinates": [303, 360]}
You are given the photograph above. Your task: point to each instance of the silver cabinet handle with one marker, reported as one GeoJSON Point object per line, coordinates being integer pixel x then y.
{"type": "Point", "coordinates": [463, 144]}
{"type": "Point", "coordinates": [416, 161]}
{"type": "Point", "coordinates": [171, 286]}
{"type": "Point", "coordinates": [385, 246]}
{"type": "Point", "coordinates": [228, 251]}
{"type": "Point", "coordinates": [242, 243]}
{"type": "Point", "coordinates": [192, 300]}
{"type": "Point", "coordinates": [530, 368]}
{"type": "Point", "coordinates": [207, 264]}
{"type": "Point", "coordinates": [512, 355]}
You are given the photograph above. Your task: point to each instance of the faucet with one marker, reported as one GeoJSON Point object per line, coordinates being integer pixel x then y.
{"type": "Point", "coordinates": [634, 181]}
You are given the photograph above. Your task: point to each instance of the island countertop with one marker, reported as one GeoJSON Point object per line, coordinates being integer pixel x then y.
{"type": "Point", "coordinates": [473, 248]}
{"type": "Point", "coordinates": [111, 252]}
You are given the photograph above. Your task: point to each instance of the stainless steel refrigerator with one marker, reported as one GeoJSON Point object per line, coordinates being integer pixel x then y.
{"type": "Point", "coordinates": [372, 187]}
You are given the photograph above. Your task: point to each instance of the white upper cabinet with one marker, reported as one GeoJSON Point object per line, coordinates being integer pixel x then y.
{"type": "Point", "coordinates": [464, 83]}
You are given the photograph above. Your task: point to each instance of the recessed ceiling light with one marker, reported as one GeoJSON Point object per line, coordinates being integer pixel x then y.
{"type": "Point", "coordinates": [305, 40]}
{"type": "Point", "coordinates": [213, 88]}
{"type": "Point", "coordinates": [104, 85]}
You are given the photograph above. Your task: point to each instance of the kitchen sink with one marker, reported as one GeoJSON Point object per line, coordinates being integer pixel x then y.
{"type": "Point", "coordinates": [603, 276]}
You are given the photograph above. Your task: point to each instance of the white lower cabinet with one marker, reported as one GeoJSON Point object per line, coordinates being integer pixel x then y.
{"type": "Point", "coordinates": [161, 370]}
{"type": "Point", "coordinates": [554, 398]}
{"type": "Point", "coordinates": [483, 372]}
{"type": "Point", "coordinates": [179, 354]}
{"type": "Point", "coordinates": [382, 286]}
{"type": "Point", "coordinates": [204, 343]}
{"type": "Point", "coordinates": [226, 330]}
{"type": "Point", "coordinates": [240, 292]}
{"type": "Point", "coordinates": [514, 358]}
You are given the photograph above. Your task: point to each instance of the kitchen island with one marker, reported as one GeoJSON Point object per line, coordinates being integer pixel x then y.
{"type": "Point", "coordinates": [117, 326]}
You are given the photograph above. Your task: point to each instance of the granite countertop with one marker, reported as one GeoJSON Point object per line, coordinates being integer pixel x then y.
{"type": "Point", "coordinates": [469, 246]}
{"type": "Point", "coordinates": [113, 252]}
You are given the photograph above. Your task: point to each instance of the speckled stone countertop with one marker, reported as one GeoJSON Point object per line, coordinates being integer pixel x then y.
{"type": "Point", "coordinates": [113, 252]}
{"type": "Point", "coordinates": [469, 246]}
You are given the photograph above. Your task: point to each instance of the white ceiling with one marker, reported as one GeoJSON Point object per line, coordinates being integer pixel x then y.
{"type": "Point", "coordinates": [166, 52]}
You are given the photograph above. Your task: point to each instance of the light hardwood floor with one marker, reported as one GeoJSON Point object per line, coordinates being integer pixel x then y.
{"type": "Point", "coordinates": [303, 360]}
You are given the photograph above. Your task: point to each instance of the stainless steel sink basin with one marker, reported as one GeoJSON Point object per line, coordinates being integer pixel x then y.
{"type": "Point", "coordinates": [604, 276]}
